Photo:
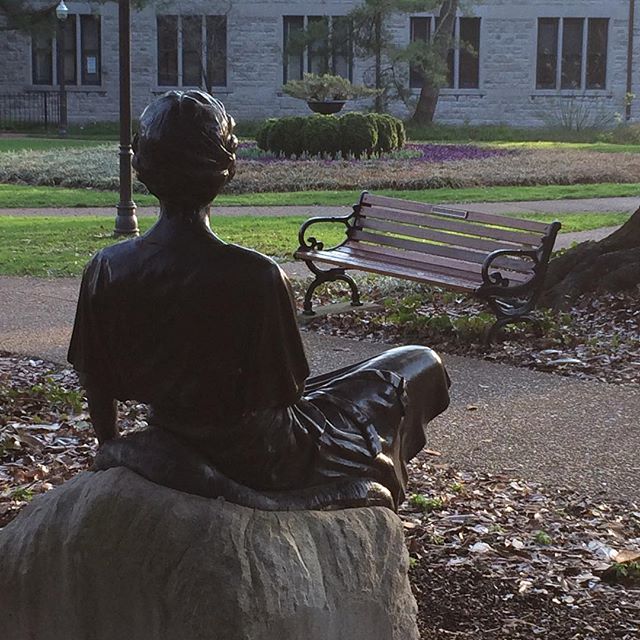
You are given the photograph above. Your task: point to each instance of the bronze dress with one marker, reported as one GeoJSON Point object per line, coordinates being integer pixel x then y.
{"type": "Point", "coordinates": [205, 333]}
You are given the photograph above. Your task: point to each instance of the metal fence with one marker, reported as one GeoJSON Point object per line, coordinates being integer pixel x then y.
{"type": "Point", "coordinates": [32, 109]}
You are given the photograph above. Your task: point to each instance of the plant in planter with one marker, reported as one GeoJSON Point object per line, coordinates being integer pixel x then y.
{"type": "Point", "coordinates": [326, 94]}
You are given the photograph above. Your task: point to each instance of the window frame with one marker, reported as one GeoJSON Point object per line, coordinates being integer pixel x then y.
{"type": "Point", "coordinates": [205, 41]}
{"type": "Point", "coordinates": [560, 84]}
{"type": "Point", "coordinates": [77, 51]}
{"type": "Point", "coordinates": [307, 56]}
{"type": "Point", "coordinates": [454, 58]}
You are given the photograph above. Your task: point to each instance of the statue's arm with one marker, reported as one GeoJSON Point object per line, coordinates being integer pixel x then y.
{"type": "Point", "coordinates": [104, 411]}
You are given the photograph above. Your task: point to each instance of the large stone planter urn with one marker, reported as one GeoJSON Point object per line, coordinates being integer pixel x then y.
{"type": "Point", "coordinates": [327, 108]}
{"type": "Point", "coordinates": [111, 556]}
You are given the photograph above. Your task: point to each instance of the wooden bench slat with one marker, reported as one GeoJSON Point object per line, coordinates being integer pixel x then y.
{"type": "Point", "coordinates": [464, 255]}
{"type": "Point", "coordinates": [460, 212]}
{"type": "Point", "coordinates": [408, 259]}
{"type": "Point", "coordinates": [422, 261]}
{"type": "Point", "coordinates": [453, 239]}
{"type": "Point", "coordinates": [460, 226]}
{"type": "Point", "coordinates": [375, 266]}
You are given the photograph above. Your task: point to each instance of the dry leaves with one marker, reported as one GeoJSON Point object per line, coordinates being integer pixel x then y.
{"type": "Point", "coordinates": [598, 339]}
{"type": "Point", "coordinates": [507, 559]}
{"type": "Point", "coordinates": [45, 433]}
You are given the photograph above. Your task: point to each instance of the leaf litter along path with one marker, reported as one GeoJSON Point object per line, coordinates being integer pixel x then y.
{"type": "Point", "coordinates": [491, 555]}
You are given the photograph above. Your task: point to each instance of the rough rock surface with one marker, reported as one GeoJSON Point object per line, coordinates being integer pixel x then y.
{"type": "Point", "coordinates": [111, 556]}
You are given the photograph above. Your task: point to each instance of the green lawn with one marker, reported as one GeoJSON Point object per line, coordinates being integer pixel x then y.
{"type": "Point", "coordinates": [60, 246]}
{"type": "Point", "coordinates": [598, 147]}
{"type": "Point", "coordinates": [44, 144]}
{"type": "Point", "coordinates": [24, 196]}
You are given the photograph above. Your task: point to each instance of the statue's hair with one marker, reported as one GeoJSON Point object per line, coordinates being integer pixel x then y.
{"type": "Point", "coordinates": [185, 147]}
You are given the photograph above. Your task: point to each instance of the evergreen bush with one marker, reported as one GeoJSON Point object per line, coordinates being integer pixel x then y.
{"type": "Point", "coordinates": [387, 132]}
{"type": "Point", "coordinates": [321, 136]}
{"type": "Point", "coordinates": [352, 134]}
{"type": "Point", "coordinates": [358, 135]}
{"type": "Point", "coordinates": [262, 135]}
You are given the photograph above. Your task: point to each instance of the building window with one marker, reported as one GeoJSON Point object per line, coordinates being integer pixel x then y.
{"type": "Point", "coordinates": [90, 49]}
{"type": "Point", "coordinates": [317, 44]}
{"type": "Point", "coordinates": [572, 53]}
{"type": "Point", "coordinates": [463, 59]}
{"type": "Point", "coordinates": [42, 58]}
{"type": "Point", "coordinates": [192, 51]}
{"type": "Point", "coordinates": [81, 46]}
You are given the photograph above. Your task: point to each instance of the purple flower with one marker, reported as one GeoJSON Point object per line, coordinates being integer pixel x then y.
{"type": "Point", "coordinates": [450, 152]}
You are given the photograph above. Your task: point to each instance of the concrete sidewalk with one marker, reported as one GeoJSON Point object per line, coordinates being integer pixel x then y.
{"type": "Point", "coordinates": [560, 431]}
{"type": "Point", "coordinates": [540, 206]}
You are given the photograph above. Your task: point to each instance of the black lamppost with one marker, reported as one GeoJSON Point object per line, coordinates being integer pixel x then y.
{"type": "Point", "coordinates": [126, 220]}
{"type": "Point", "coordinates": [61, 13]}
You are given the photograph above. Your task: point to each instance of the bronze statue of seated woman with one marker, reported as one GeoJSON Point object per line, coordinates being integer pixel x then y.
{"type": "Point", "coordinates": [205, 333]}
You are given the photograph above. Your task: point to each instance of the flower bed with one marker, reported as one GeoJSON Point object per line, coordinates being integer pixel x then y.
{"type": "Point", "coordinates": [418, 166]}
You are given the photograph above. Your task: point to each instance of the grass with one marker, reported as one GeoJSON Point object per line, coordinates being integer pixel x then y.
{"type": "Point", "coordinates": [487, 133]}
{"type": "Point", "coordinates": [44, 144]}
{"type": "Point", "coordinates": [60, 246]}
{"type": "Point", "coordinates": [598, 147]}
{"type": "Point", "coordinates": [14, 196]}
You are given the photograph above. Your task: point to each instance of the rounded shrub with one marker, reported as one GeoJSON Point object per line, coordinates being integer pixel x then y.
{"type": "Point", "coordinates": [321, 136]}
{"type": "Point", "coordinates": [387, 132]}
{"type": "Point", "coordinates": [401, 132]}
{"type": "Point", "coordinates": [358, 135]}
{"type": "Point", "coordinates": [284, 136]}
{"type": "Point", "coordinates": [263, 133]}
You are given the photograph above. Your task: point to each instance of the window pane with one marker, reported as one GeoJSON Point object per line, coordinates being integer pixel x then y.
{"type": "Point", "coordinates": [420, 32]}
{"type": "Point", "coordinates": [547, 63]}
{"type": "Point", "coordinates": [572, 34]}
{"type": "Point", "coordinates": [450, 57]}
{"type": "Point", "coordinates": [42, 69]}
{"type": "Point", "coordinates": [168, 51]}
{"type": "Point", "coordinates": [217, 51]}
{"type": "Point", "coordinates": [69, 49]}
{"type": "Point", "coordinates": [597, 53]}
{"type": "Point", "coordinates": [90, 39]}
{"type": "Point", "coordinates": [318, 49]}
{"type": "Point", "coordinates": [191, 51]}
{"type": "Point", "coordinates": [293, 29]}
{"type": "Point", "coordinates": [469, 53]}
{"type": "Point", "coordinates": [341, 47]}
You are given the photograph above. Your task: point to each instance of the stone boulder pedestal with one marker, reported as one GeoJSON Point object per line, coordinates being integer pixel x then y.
{"type": "Point", "coordinates": [111, 556]}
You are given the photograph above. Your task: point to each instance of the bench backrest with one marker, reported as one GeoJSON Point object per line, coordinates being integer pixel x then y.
{"type": "Point", "coordinates": [454, 234]}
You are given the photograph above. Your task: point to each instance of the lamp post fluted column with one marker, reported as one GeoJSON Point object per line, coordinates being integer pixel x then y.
{"type": "Point", "coordinates": [62, 12]}
{"type": "Point", "coordinates": [126, 220]}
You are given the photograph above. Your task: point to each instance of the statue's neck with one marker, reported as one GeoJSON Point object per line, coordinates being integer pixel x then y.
{"type": "Point", "coordinates": [179, 212]}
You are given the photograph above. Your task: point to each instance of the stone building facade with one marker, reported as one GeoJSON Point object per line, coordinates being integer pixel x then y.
{"type": "Point", "coordinates": [518, 62]}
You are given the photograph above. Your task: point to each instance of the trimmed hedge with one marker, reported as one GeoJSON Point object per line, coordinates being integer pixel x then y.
{"type": "Point", "coordinates": [352, 134]}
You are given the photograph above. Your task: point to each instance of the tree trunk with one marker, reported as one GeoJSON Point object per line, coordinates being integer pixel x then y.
{"type": "Point", "coordinates": [426, 107]}
{"type": "Point", "coordinates": [611, 265]}
{"type": "Point", "coordinates": [429, 94]}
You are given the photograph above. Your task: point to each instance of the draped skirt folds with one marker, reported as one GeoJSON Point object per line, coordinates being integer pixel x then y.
{"type": "Point", "coordinates": [365, 421]}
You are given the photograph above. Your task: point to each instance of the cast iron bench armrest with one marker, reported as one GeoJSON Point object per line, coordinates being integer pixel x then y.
{"type": "Point", "coordinates": [312, 243]}
{"type": "Point", "coordinates": [497, 279]}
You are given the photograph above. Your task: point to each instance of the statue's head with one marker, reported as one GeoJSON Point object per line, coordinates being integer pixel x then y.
{"type": "Point", "coordinates": [184, 150]}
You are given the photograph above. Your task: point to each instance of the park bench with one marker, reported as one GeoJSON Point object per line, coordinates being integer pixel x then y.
{"type": "Point", "coordinates": [499, 259]}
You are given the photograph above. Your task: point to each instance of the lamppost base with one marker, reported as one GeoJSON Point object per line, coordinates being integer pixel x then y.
{"type": "Point", "coordinates": [126, 221]}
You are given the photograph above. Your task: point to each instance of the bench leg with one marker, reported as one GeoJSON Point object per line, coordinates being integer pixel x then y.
{"type": "Point", "coordinates": [332, 275]}
{"type": "Point", "coordinates": [503, 321]}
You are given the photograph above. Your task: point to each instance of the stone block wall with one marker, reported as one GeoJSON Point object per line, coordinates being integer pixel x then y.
{"type": "Point", "coordinates": [508, 43]}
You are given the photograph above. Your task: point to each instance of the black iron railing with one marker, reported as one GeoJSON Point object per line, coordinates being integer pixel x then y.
{"type": "Point", "coordinates": [30, 109]}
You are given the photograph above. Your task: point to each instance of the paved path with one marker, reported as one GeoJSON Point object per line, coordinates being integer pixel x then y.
{"type": "Point", "coordinates": [539, 206]}
{"type": "Point", "coordinates": [536, 425]}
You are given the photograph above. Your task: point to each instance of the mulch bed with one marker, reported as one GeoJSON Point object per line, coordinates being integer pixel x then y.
{"type": "Point", "coordinates": [597, 339]}
{"type": "Point", "coordinates": [491, 556]}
